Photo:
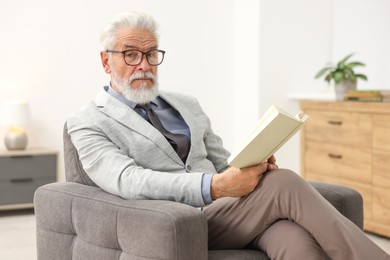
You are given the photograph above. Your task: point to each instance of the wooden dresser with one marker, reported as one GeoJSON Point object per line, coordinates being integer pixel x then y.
{"type": "Point", "coordinates": [349, 143]}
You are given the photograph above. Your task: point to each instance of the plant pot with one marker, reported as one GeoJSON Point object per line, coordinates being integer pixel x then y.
{"type": "Point", "coordinates": [343, 87]}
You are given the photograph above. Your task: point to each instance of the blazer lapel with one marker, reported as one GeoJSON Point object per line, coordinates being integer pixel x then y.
{"type": "Point", "coordinates": [128, 117]}
{"type": "Point", "coordinates": [177, 104]}
{"type": "Point", "coordinates": [187, 115]}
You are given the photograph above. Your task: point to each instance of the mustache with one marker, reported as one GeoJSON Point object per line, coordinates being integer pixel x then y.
{"type": "Point", "coordinates": [140, 75]}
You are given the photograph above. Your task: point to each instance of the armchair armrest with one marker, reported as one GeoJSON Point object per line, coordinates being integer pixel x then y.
{"type": "Point", "coordinates": [346, 200]}
{"type": "Point", "coordinates": [76, 221]}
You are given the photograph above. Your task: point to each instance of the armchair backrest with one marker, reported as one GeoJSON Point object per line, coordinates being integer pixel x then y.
{"type": "Point", "coordinates": [74, 171]}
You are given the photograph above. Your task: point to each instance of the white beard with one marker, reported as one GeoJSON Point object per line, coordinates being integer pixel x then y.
{"type": "Point", "coordinates": [142, 94]}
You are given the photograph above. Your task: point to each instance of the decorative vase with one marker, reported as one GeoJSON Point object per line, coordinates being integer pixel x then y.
{"type": "Point", "coordinates": [16, 139]}
{"type": "Point", "coordinates": [343, 87]}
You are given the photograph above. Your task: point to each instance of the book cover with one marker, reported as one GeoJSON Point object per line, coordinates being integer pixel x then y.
{"type": "Point", "coordinates": [273, 130]}
{"type": "Point", "coordinates": [364, 95]}
{"type": "Point", "coordinates": [364, 99]}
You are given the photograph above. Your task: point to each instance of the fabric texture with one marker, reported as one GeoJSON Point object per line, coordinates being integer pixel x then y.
{"type": "Point", "coordinates": [76, 221]}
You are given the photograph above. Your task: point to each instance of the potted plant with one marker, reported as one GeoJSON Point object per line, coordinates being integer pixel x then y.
{"type": "Point", "coordinates": [343, 75]}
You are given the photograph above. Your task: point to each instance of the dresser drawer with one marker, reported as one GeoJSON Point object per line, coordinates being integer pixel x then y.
{"type": "Point", "coordinates": [338, 161]}
{"type": "Point", "coordinates": [21, 190]}
{"type": "Point", "coordinates": [353, 129]}
{"type": "Point", "coordinates": [31, 166]}
{"type": "Point", "coordinates": [381, 132]}
{"type": "Point", "coordinates": [349, 143]}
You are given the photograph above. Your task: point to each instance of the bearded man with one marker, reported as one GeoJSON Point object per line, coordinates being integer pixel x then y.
{"type": "Point", "coordinates": [137, 142]}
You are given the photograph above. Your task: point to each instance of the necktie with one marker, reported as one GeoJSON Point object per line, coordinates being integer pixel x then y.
{"type": "Point", "coordinates": [179, 142]}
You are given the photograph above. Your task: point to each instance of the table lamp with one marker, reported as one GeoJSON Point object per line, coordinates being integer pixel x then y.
{"type": "Point", "coordinates": [15, 114]}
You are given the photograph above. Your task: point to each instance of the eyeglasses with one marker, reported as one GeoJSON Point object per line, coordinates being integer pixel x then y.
{"type": "Point", "coordinates": [135, 57]}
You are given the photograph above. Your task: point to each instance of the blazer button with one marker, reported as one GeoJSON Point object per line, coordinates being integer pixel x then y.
{"type": "Point", "coordinates": [188, 168]}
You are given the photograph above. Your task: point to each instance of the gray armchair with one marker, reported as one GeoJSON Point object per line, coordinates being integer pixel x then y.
{"type": "Point", "coordinates": [78, 220]}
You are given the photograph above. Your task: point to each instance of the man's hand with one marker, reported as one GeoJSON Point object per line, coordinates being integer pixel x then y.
{"type": "Point", "coordinates": [272, 163]}
{"type": "Point", "coordinates": [236, 182]}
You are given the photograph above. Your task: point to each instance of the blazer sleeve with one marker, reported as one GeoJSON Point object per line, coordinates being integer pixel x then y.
{"type": "Point", "coordinates": [217, 154]}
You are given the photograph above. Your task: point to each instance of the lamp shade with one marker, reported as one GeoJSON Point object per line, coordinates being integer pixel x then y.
{"type": "Point", "coordinates": [15, 113]}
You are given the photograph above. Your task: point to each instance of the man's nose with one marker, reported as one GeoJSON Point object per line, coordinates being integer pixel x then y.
{"type": "Point", "coordinates": [144, 65]}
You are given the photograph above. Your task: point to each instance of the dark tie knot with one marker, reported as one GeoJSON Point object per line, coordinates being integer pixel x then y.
{"type": "Point", "coordinates": [146, 106]}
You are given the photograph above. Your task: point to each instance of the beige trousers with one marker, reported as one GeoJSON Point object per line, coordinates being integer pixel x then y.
{"type": "Point", "coordinates": [288, 219]}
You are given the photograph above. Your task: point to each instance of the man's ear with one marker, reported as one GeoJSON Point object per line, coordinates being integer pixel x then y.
{"type": "Point", "coordinates": [104, 57]}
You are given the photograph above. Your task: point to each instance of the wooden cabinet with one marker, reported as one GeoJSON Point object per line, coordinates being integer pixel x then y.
{"type": "Point", "coordinates": [349, 143]}
{"type": "Point", "coordinates": [21, 173]}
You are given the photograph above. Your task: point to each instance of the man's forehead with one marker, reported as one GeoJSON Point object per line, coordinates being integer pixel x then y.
{"type": "Point", "coordinates": [135, 37]}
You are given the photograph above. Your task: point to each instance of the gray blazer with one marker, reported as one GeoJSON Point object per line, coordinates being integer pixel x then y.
{"type": "Point", "coordinates": [126, 156]}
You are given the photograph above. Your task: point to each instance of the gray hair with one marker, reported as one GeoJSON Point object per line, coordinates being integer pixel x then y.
{"type": "Point", "coordinates": [108, 35]}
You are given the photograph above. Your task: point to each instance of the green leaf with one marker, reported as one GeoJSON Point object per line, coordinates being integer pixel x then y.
{"type": "Point", "coordinates": [361, 76]}
{"type": "Point", "coordinates": [338, 77]}
{"type": "Point", "coordinates": [347, 57]}
{"type": "Point", "coordinates": [329, 77]}
{"type": "Point", "coordinates": [355, 64]}
{"type": "Point", "coordinates": [348, 73]}
{"type": "Point", "coordinates": [322, 72]}
{"type": "Point", "coordinates": [340, 65]}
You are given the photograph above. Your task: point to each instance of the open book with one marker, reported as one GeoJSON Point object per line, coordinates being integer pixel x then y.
{"type": "Point", "coordinates": [273, 130]}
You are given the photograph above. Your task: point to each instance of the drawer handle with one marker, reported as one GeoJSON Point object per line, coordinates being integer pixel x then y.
{"type": "Point", "coordinates": [335, 156]}
{"type": "Point", "coordinates": [21, 180]}
{"type": "Point", "coordinates": [332, 122]}
{"type": "Point", "coordinates": [21, 156]}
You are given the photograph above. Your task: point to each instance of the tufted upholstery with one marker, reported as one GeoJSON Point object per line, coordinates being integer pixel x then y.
{"type": "Point", "coordinates": [77, 220]}
{"type": "Point", "coordinates": [87, 223]}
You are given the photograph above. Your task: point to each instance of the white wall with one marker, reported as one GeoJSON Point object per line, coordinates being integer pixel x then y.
{"type": "Point", "coordinates": [295, 41]}
{"type": "Point", "coordinates": [245, 64]}
{"type": "Point", "coordinates": [237, 57]}
{"type": "Point", "coordinates": [299, 37]}
{"type": "Point", "coordinates": [363, 27]}
{"type": "Point", "coordinates": [50, 57]}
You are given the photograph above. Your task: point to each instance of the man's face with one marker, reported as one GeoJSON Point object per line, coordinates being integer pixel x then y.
{"type": "Point", "coordinates": [130, 39]}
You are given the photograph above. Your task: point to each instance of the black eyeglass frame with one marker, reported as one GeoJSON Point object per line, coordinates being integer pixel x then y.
{"type": "Point", "coordinates": [142, 58]}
